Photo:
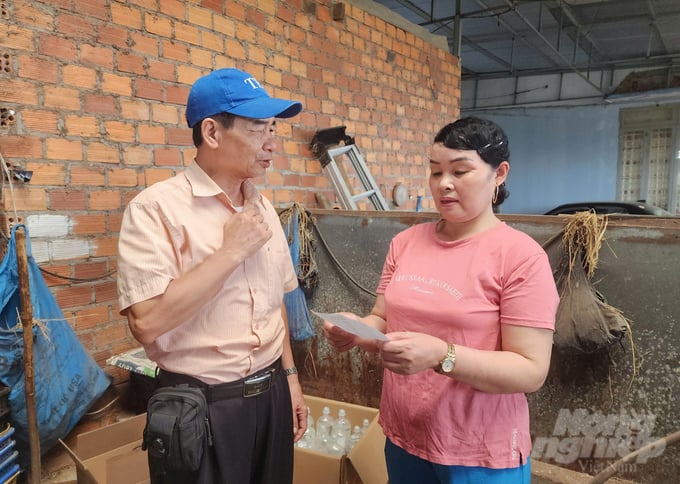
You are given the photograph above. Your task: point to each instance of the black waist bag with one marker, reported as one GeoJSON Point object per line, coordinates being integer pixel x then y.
{"type": "Point", "coordinates": [177, 430]}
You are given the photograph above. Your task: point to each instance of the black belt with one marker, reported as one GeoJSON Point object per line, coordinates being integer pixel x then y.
{"type": "Point", "coordinates": [249, 386]}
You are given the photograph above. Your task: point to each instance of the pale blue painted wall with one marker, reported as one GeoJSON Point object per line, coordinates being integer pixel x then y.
{"type": "Point", "coordinates": [558, 155]}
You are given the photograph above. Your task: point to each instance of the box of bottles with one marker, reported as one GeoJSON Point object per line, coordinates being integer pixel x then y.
{"type": "Point", "coordinates": [346, 445]}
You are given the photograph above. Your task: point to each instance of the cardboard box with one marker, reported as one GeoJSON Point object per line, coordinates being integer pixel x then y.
{"type": "Point", "coordinates": [112, 454]}
{"type": "Point", "coordinates": [367, 457]}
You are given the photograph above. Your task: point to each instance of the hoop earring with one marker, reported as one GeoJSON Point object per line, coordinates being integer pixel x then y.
{"type": "Point", "coordinates": [495, 195]}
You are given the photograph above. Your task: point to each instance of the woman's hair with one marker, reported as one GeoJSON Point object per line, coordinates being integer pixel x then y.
{"type": "Point", "coordinates": [225, 119]}
{"type": "Point", "coordinates": [480, 135]}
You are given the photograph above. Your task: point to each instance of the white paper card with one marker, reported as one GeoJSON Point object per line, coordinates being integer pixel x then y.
{"type": "Point", "coordinates": [352, 326]}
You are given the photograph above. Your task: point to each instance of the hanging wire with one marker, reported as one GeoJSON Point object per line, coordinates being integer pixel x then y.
{"type": "Point", "coordinates": [337, 262]}
{"type": "Point", "coordinates": [8, 178]}
{"type": "Point", "coordinates": [78, 279]}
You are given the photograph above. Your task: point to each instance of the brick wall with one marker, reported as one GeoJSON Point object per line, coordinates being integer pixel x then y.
{"type": "Point", "coordinates": [92, 96]}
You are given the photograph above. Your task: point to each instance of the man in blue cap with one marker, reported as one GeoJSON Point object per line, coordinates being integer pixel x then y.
{"type": "Point", "coordinates": [203, 267]}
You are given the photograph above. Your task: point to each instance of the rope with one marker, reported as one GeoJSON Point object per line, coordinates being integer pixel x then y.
{"type": "Point", "coordinates": [8, 174]}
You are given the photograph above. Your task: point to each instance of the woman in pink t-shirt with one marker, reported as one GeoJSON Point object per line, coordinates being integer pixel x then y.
{"type": "Point", "coordinates": [468, 305]}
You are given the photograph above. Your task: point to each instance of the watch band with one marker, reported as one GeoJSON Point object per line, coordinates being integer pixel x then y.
{"type": "Point", "coordinates": [290, 371]}
{"type": "Point", "coordinates": [447, 365]}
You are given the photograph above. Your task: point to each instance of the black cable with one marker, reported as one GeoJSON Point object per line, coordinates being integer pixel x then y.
{"type": "Point", "coordinates": [337, 263]}
{"type": "Point", "coordinates": [78, 279]}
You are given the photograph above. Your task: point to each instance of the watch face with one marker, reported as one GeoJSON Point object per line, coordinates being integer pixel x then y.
{"type": "Point", "coordinates": [447, 366]}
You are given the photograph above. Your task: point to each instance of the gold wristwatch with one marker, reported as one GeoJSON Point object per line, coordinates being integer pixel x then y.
{"type": "Point", "coordinates": [449, 362]}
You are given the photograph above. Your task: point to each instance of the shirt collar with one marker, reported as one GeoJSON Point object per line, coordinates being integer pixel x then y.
{"type": "Point", "coordinates": [204, 186]}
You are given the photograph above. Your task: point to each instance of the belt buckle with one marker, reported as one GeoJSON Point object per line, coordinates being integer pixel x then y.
{"type": "Point", "coordinates": [256, 385]}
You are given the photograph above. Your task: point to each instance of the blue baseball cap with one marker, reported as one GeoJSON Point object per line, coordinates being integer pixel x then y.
{"type": "Point", "coordinates": [235, 92]}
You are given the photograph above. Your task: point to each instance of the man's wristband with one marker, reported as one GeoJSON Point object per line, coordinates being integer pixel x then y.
{"type": "Point", "coordinates": [290, 371]}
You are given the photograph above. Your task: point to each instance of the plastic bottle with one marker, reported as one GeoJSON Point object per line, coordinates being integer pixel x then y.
{"type": "Point", "coordinates": [310, 420]}
{"type": "Point", "coordinates": [306, 442]}
{"type": "Point", "coordinates": [309, 437]}
{"type": "Point", "coordinates": [340, 434]}
{"type": "Point", "coordinates": [364, 426]}
{"type": "Point", "coordinates": [336, 445]}
{"type": "Point", "coordinates": [342, 425]}
{"type": "Point", "coordinates": [353, 439]}
{"type": "Point", "coordinates": [323, 429]}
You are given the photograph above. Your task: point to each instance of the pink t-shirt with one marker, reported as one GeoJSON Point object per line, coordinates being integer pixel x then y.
{"type": "Point", "coordinates": [462, 291]}
{"type": "Point", "coordinates": [171, 227]}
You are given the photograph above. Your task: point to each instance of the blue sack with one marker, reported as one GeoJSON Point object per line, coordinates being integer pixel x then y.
{"type": "Point", "coordinates": [67, 380]}
{"type": "Point", "coordinates": [299, 319]}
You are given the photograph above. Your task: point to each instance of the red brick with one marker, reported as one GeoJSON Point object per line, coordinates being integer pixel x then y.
{"type": "Point", "coordinates": [165, 156]}
{"type": "Point", "coordinates": [157, 25]}
{"type": "Point", "coordinates": [67, 200]}
{"type": "Point", "coordinates": [186, 33]}
{"type": "Point", "coordinates": [130, 17]}
{"type": "Point", "coordinates": [104, 200]}
{"type": "Point", "coordinates": [101, 153]}
{"type": "Point", "coordinates": [134, 110]}
{"type": "Point", "coordinates": [81, 175]}
{"type": "Point", "coordinates": [63, 149]}
{"type": "Point", "coordinates": [96, 103]}
{"type": "Point", "coordinates": [106, 335]}
{"type": "Point", "coordinates": [106, 247]}
{"type": "Point", "coordinates": [97, 56]}
{"type": "Point", "coordinates": [17, 38]}
{"type": "Point", "coordinates": [177, 136]}
{"type": "Point", "coordinates": [116, 84]}
{"type": "Point", "coordinates": [75, 26]}
{"type": "Point", "coordinates": [65, 50]}
{"type": "Point", "coordinates": [79, 76]}
{"type": "Point", "coordinates": [148, 89]}
{"type": "Point", "coordinates": [81, 126]}
{"type": "Point", "coordinates": [175, 51]}
{"type": "Point", "coordinates": [156, 175]}
{"type": "Point", "coordinates": [113, 35]}
{"type": "Point", "coordinates": [131, 63]}
{"type": "Point", "coordinates": [74, 296]}
{"type": "Point", "coordinates": [62, 98]}
{"type": "Point", "coordinates": [151, 134]}
{"type": "Point", "coordinates": [176, 94]}
{"type": "Point", "coordinates": [92, 8]}
{"type": "Point", "coordinates": [187, 74]}
{"type": "Point", "coordinates": [60, 277]}
{"type": "Point", "coordinates": [21, 147]}
{"type": "Point", "coordinates": [114, 221]}
{"type": "Point", "coordinates": [120, 131]}
{"type": "Point", "coordinates": [90, 317]}
{"type": "Point", "coordinates": [17, 91]}
{"type": "Point", "coordinates": [163, 71]}
{"type": "Point", "coordinates": [47, 173]}
{"type": "Point", "coordinates": [215, 5]}
{"type": "Point", "coordinates": [105, 291]}
{"type": "Point", "coordinates": [138, 155]}
{"type": "Point", "coordinates": [39, 18]}
{"type": "Point", "coordinates": [174, 8]}
{"type": "Point", "coordinates": [122, 177]}
{"type": "Point", "coordinates": [27, 198]}
{"type": "Point", "coordinates": [144, 44]}
{"type": "Point", "coordinates": [88, 224]}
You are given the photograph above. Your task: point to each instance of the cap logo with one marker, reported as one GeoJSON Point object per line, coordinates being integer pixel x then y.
{"type": "Point", "coordinates": [252, 82]}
